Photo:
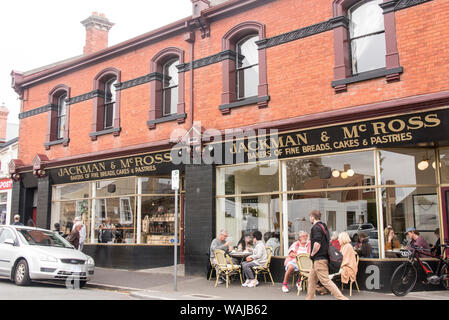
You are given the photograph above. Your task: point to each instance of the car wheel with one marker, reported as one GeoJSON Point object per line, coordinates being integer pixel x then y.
{"type": "Point", "coordinates": [22, 274]}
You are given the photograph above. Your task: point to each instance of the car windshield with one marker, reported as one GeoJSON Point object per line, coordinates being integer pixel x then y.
{"type": "Point", "coordinates": [353, 227]}
{"type": "Point", "coordinates": [43, 238]}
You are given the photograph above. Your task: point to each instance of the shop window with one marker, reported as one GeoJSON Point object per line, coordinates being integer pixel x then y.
{"type": "Point", "coordinates": [365, 47]}
{"type": "Point", "coordinates": [116, 187]}
{"type": "Point", "coordinates": [244, 215]}
{"type": "Point", "coordinates": [344, 210]}
{"type": "Point", "coordinates": [444, 165]}
{"type": "Point", "coordinates": [251, 178]}
{"type": "Point", "coordinates": [156, 185]}
{"type": "Point", "coordinates": [407, 166]}
{"type": "Point", "coordinates": [244, 68]}
{"type": "Point", "coordinates": [335, 171]}
{"type": "Point", "coordinates": [58, 117]}
{"type": "Point", "coordinates": [118, 212]}
{"type": "Point", "coordinates": [166, 88]}
{"type": "Point", "coordinates": [106, 117]}
{"type": "Point", "coordinates": [408, 207]}
{"type": "Point", "coordinates": [158, 220]}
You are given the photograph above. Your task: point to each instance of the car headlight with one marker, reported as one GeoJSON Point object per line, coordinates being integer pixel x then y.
{"type": "Point", "coordinates": [48, 258]}
{"type": "Point", "coordinates": [90, 261]}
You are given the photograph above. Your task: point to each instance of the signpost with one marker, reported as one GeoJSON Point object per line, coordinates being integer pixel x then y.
{"type": "Point", "coordinates": [175, 186]}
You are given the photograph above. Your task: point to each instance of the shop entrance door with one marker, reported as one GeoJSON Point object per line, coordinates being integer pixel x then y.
{"type": "Point", "coordinates": [445, 204]}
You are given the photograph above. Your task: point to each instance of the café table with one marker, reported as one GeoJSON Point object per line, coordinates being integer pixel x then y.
{"type": "Point", "coordinates": [240, 256]}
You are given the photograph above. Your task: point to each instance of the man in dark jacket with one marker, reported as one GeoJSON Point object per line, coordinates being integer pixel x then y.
{"type": "Point", "coordinates": [319, 238]}
{"type": "Point", "coordinates": [74, 236]}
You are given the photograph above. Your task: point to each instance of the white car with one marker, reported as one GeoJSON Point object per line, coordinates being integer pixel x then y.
{"type": "Point", "coordinates": [28, 254]}
{"type": "Point", "coordinates": [354, 229]}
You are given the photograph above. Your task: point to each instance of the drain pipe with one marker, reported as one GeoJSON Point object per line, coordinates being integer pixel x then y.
{"type": "Point", "coordinates": [190, 38]}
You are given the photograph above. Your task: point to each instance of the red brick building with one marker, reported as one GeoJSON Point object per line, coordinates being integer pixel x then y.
{"type": "Point", "coordinates": [356, 90]}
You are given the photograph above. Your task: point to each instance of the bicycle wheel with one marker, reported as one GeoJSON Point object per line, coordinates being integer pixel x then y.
{"type": "Point", "coordinates": [403, 279]}
{"type": "Point", "coordinates": [445, 276]}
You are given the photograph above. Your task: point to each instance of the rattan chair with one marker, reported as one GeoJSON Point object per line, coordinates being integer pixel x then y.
{"type": "Point", "coordinates": [305, 265]}
{"type": "Point", "coordinates": [212, 263]}
{"type": "Point", "coordinates": [265, 269]}
{"type": "Point", "coordinates": [225, 266]}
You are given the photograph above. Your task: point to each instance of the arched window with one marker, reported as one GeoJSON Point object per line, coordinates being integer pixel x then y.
{"type": "Point", "coordinates": [247, 67]}
{"type": "Point", "coordinates": [166, 88]}
{"type": "Point", "coordinates": [106, 117]}
{"type": "Point", "coordinates": [244, 67]}
{"type": "Point", "coordinates": [365, 45]}
{"type": "Point", "coordinates": [109, 103]}
{"type": "Point", "coordinates": [170, 87]}
{"type": "Point", "coordinates": [367, 36]}
{"type": "Point", "coordinates": [58, 117]}
{"type": "Point", "coordinates": [62, 113]}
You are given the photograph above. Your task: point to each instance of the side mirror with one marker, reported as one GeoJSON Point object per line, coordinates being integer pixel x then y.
{"type": "Point", "coordinates": [9, 241]}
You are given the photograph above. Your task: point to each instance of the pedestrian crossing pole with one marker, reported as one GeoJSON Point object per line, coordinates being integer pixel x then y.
{"type": "Point", "coordinates": [175, 186]}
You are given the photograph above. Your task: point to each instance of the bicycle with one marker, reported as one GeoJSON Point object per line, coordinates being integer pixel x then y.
{"type": "Point", "coordinates": [404, 277]}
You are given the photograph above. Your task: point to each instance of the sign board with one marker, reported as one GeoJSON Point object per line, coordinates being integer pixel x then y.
{"type": "Point", "coordinates": [175, 180]}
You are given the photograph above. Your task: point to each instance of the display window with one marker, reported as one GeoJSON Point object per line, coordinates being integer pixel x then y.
{"type": "Point", "coordinates": [365, 193]}
{"type": "Point", "coordinates": [118, 211]}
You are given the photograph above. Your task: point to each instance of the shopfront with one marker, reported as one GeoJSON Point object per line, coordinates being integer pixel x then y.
{"type": "Point", "coordinates": [362, 176]}
{"type": "Point", "coordinates": [5, 201]}
{"type": "Point", "coordinates": [127, 205]}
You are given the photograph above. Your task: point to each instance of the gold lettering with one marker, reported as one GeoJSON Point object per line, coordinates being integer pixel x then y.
{"type": "Point", "coordinates": [302, 137]}
{"type": "Point", "coordinates": [432, 118]}
{"type": "Point", "coordinates": [379, 126]}
{"type": "Point", "coordinates": [392, 127]}
{"type": "Point", "coordinates": [415, 123]}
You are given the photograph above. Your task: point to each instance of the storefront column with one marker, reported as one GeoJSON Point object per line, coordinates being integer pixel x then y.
{"type": "Point", "coordinates": [199, 223]}
{"type": "Point", "coordinates": [43, 216]}
{"type": "Point", "coordinates": [17, 201]}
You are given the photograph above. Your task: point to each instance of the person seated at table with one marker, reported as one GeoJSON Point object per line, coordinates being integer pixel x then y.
{"type": "Point", "coordinates": [300, 246]}
{"type": "Point", "coordinates": [363, 248]}
{"type": "Point", "coordinates": [334, 241]}
{"type": "Point", "coordinates": [348, 269]}
{"type": "Point", "coordinates": [418, 241]}
{"type": "Point", "coordinates": [392, 241]}
{"type": "Point", "coordinates": [220, 243]}
{"type": "Point", "coordinates": [245, 244]}
{"type": "Point", "coordinates": [258, 258]}
{"type": "Point", "coordinates": [273, 242]}
{"type": "Point", "coordinates": [436, 249]}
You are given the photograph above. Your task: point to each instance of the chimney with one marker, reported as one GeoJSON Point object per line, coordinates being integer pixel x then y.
{"type": "Point", "coordinates": [97, 29]}
{"type": "Point", "coordinates": [3, 122]}
{"type": "Point", "coordinates": [198, 6]}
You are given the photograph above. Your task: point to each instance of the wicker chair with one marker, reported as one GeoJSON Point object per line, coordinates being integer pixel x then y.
{"type": "Point", "coordinates": [305, 264]}
{"type": "Point", "coordinates": [265, 269]}
{"type": "Point", "coordinates": [225, 266]}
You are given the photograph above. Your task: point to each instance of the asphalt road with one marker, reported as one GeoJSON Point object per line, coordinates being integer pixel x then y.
{"type": "Point", "coordinates": [51, 291]}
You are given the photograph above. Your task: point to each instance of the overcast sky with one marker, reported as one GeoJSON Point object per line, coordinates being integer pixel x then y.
{"type": "Point", "coordinates": [35, 33]}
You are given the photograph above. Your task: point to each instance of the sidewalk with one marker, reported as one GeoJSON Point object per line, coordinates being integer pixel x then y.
{"type": "Point", "coordinates": [158, 284]}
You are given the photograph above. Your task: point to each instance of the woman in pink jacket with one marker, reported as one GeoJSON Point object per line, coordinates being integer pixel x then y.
{"type": "Point", "coordinates": [300, 246]}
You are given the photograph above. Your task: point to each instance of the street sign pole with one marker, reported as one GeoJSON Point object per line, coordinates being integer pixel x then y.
{"type": "Point", "coordinates": [175, 186]}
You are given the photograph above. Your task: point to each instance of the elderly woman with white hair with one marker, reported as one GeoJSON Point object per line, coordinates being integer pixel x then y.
{"type": "Point", "coordinates": [349, 266]}
{"type": "Point", "coordinates": [298, 247]}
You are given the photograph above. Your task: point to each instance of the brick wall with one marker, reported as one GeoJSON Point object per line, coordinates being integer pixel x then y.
{"type": "Point", "coordinates": [299, 77]}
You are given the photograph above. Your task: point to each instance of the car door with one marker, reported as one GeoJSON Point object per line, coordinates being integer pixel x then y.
{"type": "Point", "coordinates": [6, 251]}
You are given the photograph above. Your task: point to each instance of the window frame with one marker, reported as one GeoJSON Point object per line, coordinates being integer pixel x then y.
{"type": "Point", "coordinates": [242, 69]}
{"type": "Point", "coordinates": [167, 65]}
{"type": "Point", "coordinates": [54, 136]}
{"type": "Point", "coordinates": [229, 98]}
{"type": "Point", "coordinates": [98, 123]}
{"type": "Point", "coordinates": [343, 75]}
{"type": "Point", "coordinates": [156, 112]}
